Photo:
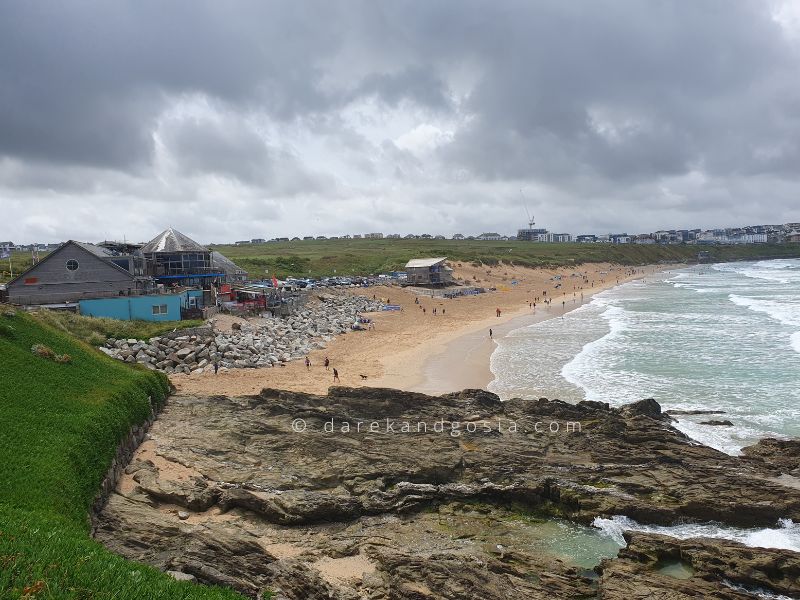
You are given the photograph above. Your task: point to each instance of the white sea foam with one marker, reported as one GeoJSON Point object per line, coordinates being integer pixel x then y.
{"type": "Point", "coordinates": [704, 338]}
{"type": "Point", "coordinates": [784, 309]}
{"type": "Point", "coordinates": [795, 341]}
{"type": "Point", "coordinates": [785, 536]}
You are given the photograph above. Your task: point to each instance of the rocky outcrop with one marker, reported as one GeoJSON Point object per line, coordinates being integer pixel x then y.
{"type": "Point", "coordinates": [697, 568]}
{"type": "Point", "coordinates": [274, 340]}
{"type": "Point", "coordinates": [778, 456]}
{"type": "Point", "coordinates": [381, 494]}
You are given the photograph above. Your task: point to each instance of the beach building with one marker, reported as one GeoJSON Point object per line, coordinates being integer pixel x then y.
{"type": "Point", "coordinates": [75, 271]}
{"type": "Point", "coordinates": [490, 237]}
{"type": "Point", "coordinates": [173, 258]}
{"type": "Point", "coordinates": [154, 307]}
{"type": "Point", "coordinates": [233, 272]}
{"type": "Point", "coordinates": [429, 271]}
{"type": "Point", "coordinates": [793, 237]}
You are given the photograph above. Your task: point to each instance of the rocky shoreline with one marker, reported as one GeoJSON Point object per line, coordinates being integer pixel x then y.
{"type": "Point", "coordinates": [271, 342]}
{"type": "Point", "coordinates": [270, 492]}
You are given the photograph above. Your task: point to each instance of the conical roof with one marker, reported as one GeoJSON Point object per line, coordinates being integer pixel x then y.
{"type": "Point", "coordinates": [171, 240]}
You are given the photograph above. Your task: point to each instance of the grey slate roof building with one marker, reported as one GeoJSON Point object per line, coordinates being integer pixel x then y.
{"type": "Point", "coordinates": [173, 257]}
{"type": "Point", "coordinates": [233, 272]}
{"type": "Point", "coordinates": [428, 271]}
{"type": "Point", "coordinates": [76, 271]}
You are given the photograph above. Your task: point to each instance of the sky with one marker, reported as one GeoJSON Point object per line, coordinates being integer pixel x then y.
{"type": "Point", "coordinates": [262, 119]}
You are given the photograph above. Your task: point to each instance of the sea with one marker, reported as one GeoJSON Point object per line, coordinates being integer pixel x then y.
{"type": "Point", "coordinates": [722, 337]}
{"type": "Point", "coordinates": [717, 337]}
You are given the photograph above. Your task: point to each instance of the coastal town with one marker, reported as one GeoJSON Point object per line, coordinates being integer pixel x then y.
{"type": "Point", "coordinates": [400, 300]}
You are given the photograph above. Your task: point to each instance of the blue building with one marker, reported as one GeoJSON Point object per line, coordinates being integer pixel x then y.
{"type": "Point", "coordinates": [157, 307]}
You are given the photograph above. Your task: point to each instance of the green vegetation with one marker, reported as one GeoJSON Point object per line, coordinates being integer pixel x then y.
{"type": "Point", "coordinates": [96, 330]}
{"type": "Point", "coordinates": [20, 261]}
{"type": "Point", "coordinates": [60, 424]}
{"type": "Point", "coordinates": [320, 258]}
{"type": "Point", "coordinates": [323, 258]}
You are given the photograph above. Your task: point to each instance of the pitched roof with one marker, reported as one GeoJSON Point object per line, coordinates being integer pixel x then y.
{"type": "Point", "coordinates": [97, 251]}
{"type": "Point", "coordinates": [171, 240]}
{"type": "Point", "coordinates": [225, 263]}
{"type": "Point", "coordinates": [424, 262]}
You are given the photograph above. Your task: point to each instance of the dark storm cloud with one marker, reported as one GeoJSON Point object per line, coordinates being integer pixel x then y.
{"type": "Point", "coordinates": [679, 109]}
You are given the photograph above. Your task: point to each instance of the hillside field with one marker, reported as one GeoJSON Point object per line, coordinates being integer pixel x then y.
{"type": "Point", "coordinates": [320, 258]}
{"type": "Point", "coordinates": [62, 415]}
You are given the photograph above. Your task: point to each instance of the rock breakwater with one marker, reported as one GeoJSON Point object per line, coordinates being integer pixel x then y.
{"type": "Point", "coordinates": [267, 343]}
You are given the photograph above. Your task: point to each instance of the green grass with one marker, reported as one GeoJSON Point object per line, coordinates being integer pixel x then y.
{"type": "Point", "coordinates": [96, 330]}
{"type": "Point", "coordinates": [319, 258]}
{"type": "Point", "coordinates": [19, 262]}
{"type": "Point", "coordinates": [60, 425]}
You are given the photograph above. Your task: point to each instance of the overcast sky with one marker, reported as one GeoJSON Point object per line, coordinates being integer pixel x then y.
{"type": "Point", "coordinates": [236, 120]}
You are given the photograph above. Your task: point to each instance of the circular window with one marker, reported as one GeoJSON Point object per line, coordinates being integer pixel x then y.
{"type": "Point", "coordinates": [72, 265]}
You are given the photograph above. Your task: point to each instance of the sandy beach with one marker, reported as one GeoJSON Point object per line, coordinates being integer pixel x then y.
{"type": "Point", "coordinates": [417, 350]}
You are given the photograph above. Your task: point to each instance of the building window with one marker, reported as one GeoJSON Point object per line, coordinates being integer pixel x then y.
{"type": "Point", "coordinates": [72, 265]}
{"type": "Point", "coordinates": [159, 309]}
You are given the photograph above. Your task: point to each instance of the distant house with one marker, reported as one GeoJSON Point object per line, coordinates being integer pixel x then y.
{"type": "Point", "coordinates": [76, 271]}
{"type": "Point", "coordinates": [356, 236]}
{"type": "Point", "coordinates": [7, 246]}
{"type": "Point", "coordinates": [321, 237]}
{"type": "Point", "coordinates": [258, 241]}
{"type": "Point", "coordinates": [458, 236]}
{"type": "Point", "coordinates": [429, 271]}
{"type": "Point", "coordinates": [491, 237]}
{"type": "Point", "coordinates": [393, 236]}
{"type": "Point", "coordinates": [586, 238]}
{"type": "Point", "coordinates": [308, 237]}
{"type": "Point", "coordinates": [793, 237]}
{"type": "Point", "coordinates": [373, 236]}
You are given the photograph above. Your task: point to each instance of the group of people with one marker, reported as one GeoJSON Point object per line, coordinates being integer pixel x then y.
{"type": "Point", "coordinates": [328, 367]}
{"type": "Point", "coordinates": [434, 310]}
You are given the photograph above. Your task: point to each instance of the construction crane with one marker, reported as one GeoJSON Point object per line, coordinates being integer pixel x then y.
{"type": "Point", "coordinates": [531, 222]}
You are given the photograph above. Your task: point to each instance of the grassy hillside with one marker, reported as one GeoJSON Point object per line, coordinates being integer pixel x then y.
{"type": "Point", "coordinates": [319, 258]}
{"type": "Point", "coordinates": [19, 262]}
{"type": "Point", "coordinates": [96, 330]}
{"type": "Point", "coordinates": [60, 423]}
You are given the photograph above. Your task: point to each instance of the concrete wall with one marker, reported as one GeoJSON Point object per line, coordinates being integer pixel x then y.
{"type": "Point", "coordinates": [134, 308]}
{"type": "Point", "coordinates": [50, 281]}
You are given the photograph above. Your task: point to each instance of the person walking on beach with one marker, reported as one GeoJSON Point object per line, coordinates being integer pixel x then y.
{"type": "Point", "coordinates": [490, 333]}
{"type": "Point", "coordinates": [216, 366]}
{"type": "Point", "coordinates": [327, 363]}
{"type": "Point", "coordinates": [335, 375]}
{"type": "Point", "coordinates": [308, 364]}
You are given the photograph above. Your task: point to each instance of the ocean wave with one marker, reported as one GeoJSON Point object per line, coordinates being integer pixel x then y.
{"type": "Point", "coordinates": [794, 340]}
{"type": "Point", "coordinates": [578, 371]}
{"type": "Point", "coordinates": [784, 310]}
{"type": "Point", "coordinates": [785, 536]}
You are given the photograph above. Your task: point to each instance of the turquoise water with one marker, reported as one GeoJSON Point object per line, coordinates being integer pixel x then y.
{"type": "Point", "coordinates": [720, 337]}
